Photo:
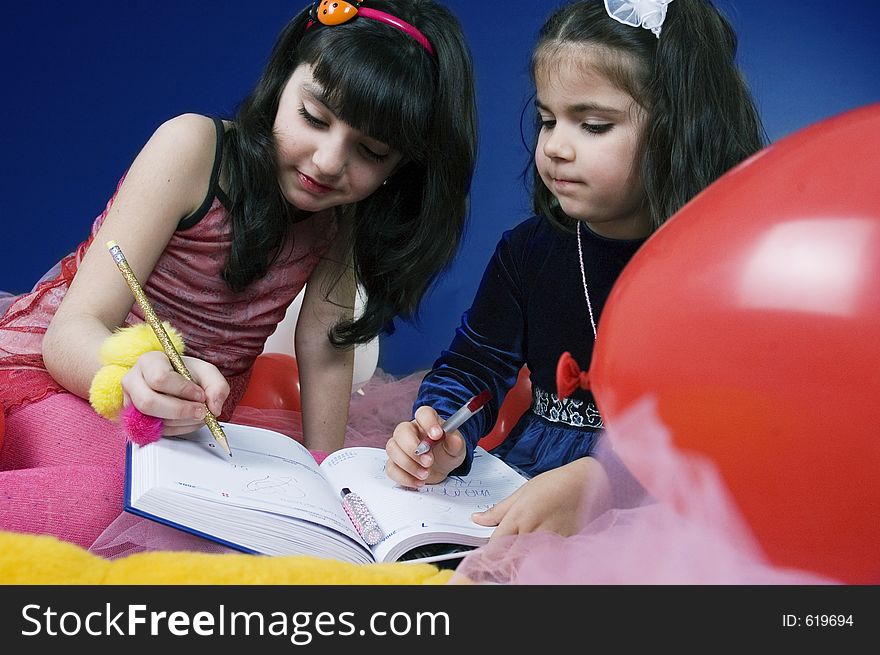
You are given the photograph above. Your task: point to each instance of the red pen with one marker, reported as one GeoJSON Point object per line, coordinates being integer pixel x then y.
{"type": "Point", "coordinates": [455, 421]}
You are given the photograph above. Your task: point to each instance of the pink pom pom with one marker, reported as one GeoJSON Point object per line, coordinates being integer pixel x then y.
{"type": "Point", "coordinates": [140, 428]}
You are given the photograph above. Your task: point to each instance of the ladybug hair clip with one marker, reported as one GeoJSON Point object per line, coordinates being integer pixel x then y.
{"type": "Point", "coordinates": [333, 12]}
{"type": "Point", "coordinates": [337, 12]}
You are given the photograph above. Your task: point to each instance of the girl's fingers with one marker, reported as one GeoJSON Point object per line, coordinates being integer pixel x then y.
{"type": "Point", "coordinates": [156, 403]}
{"type": "Point", "coordinates": [495, 514]}
{"type": "Point", "coordinates": [159, 376]}
{"type": "Point", "coordinates": [211, 380]}
{"type": "Point", "coordinates": [187, 423]}
{"type": "Point", "coordinates": [155, 388]}
{"type": "Point", "coordinates": [407, 436]}
{"type": "Point", "coordinates": [169, 408]}
{"type": "Point", "coordinates": [176, 430]}
{"type": "Point", "coordinates": [429, 424]}
{"type": "Point", "coordinates": [401, 467]}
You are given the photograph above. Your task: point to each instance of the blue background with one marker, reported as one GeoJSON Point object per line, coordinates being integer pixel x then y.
{"type": "Point", "coordinates": [85, 85]}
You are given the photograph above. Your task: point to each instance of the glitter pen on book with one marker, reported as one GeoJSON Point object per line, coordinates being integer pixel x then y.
{"type": "Point", "coordinates": [455, 421]}
{"type": "Point", "coordinates": [361, 517]}
{"type": "Point", "coordinates": [162, 336]}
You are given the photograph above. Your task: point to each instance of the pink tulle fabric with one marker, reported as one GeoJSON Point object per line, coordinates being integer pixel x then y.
{"type": "Point", "coordinates": [382, 403]}
{"type": "Point", "coordinates": [695, 535]}
{"type": "Point", "coordinates": [6, 299]}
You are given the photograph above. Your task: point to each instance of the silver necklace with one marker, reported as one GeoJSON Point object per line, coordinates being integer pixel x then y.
{"type": "Point", "coordinates": [584, 280]}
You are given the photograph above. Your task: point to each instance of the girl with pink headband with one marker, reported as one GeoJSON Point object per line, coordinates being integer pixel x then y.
{"type": "Point", "coordinates": [349, 163]}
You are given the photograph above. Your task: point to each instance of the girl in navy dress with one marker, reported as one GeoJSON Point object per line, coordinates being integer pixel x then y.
{"type": "Point", "coordinates": [635, 114]}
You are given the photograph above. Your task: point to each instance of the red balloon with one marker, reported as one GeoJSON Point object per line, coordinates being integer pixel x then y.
{"type": "Point", "coordinates": [274, 383]}
{"type": "Point", "coordinates": [516, 402]}
{"type": "Point", "coordinates": [753, 318]}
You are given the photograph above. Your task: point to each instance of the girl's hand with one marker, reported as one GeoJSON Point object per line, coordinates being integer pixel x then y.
{"type": "Point", "coordinates": [410, 470]}
{"type": "Point", "coordinates": [156, 389]}
{"type": "Point", "coordinates": [563, 501]}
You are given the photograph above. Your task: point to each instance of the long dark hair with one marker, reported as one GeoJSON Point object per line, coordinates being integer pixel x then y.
{"type": "Point", "coordinates": [382, 82]}
{"type": "Point", "coordinates": [702, 119]}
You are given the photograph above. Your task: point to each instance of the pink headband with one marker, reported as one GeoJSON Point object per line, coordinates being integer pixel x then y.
{"type": "Point", "coordinates": [337, 12]}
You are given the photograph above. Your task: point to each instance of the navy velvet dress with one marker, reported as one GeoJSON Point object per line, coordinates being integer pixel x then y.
{"type": "Point", "coordinates": [528, 310]}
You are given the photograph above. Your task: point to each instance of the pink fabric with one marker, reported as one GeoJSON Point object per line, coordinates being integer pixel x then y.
{"type": "Point", "coordinates": [695, 536]}
{"type": "Point", "coordinates": [63, 429]}
{"type": "Point", "coordinates": [73, 502]}
{"type": "Point", "coordinates": [61, 470]}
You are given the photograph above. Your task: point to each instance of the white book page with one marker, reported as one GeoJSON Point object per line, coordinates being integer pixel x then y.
{"type": "Point", "coordinates": [439, 509]}
{"type": "Point", "coordinates": [268, 471]}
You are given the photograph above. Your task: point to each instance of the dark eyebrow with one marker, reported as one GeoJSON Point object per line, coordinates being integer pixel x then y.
{"type": "Point", "coordinates": [584, 107]}
{"type": "Point", "coordinates": [317, 93]}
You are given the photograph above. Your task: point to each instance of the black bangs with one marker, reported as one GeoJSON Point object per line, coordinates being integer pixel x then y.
{"type": "Point", "coordinates": [377, 84]}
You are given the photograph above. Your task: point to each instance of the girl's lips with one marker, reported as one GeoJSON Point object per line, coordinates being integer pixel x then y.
{"type": "Point", "coordinates": [311, 185]}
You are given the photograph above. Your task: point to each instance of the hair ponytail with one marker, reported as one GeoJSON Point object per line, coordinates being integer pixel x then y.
{"type": "Point", "coordinates": [703, 120]}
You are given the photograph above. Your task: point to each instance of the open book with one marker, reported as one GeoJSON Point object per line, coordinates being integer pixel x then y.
{"type": "Point", "coordinates": [272, 498]}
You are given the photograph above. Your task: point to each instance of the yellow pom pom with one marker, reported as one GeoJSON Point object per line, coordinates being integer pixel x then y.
{"type": "Point", "coordinates": [118, 353]}
{"type": "Point", "coordinates": [125, 345]}
{"type": "Point", "coordinates": [105, 392]}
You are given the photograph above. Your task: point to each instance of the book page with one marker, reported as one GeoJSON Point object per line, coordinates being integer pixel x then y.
{"type": "Point", "coordinates": [414, 514]}
{"type": "Point", "coordinates": [268, 471]}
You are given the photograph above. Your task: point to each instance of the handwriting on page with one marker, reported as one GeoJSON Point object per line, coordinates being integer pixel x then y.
{"type": "Point", "coordinates": [285, 487]}
{"type": "Point", "coordinates": [374, 468]}
{"type": "Point", "coordinates": [455, 487]}
{"type": "Point", "coordinates": [476, 496]}
{"type": "Point", "coordinates": [453, 500]}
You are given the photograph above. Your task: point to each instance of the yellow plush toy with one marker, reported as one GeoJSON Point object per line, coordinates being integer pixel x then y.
{"type": "Point", "coordinates": [33, 559]}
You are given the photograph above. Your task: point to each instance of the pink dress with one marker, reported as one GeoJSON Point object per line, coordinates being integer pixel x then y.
{"type": "Point", "coordinates": [60, 463]}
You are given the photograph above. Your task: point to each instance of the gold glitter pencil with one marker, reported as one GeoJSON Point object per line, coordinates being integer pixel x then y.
{"type": "Point", "coordinates": [162, 335]}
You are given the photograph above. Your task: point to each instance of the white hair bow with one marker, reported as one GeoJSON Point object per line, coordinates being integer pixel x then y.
{"type": "Point", "coordinates": [649, 14]}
